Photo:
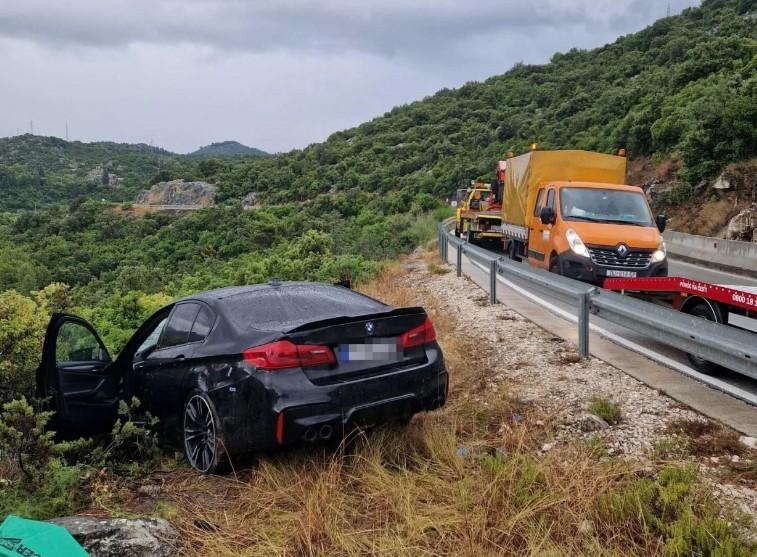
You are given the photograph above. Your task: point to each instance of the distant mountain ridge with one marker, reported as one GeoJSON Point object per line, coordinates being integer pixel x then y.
{"type": "Point", "coordinates": [227, 149]}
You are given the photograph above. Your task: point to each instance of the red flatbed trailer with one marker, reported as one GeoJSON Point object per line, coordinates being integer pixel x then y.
{"type": "Point", "coordinates": [727, 304]}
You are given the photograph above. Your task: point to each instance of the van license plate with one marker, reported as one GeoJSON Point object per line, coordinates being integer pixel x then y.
{"type": "Point", "coordinates": [621, 274]}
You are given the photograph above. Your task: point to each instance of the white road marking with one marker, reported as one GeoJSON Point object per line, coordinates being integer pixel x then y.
{"type": "Point", "coordinates": [617, 339]}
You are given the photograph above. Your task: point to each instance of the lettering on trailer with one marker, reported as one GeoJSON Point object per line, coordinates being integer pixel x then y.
{"type": "Point", "coordinates": [696, 286]}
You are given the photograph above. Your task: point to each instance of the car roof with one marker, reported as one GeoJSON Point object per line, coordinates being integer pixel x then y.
{"type": "Point", "coordinates": [279, 305]}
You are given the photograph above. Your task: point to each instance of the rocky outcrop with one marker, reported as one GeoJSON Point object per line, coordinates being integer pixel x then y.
{"type": "Point", "coordinates": [250, 201]}
{"type": "Point", "coordinates": [102, 175]}
{"type": "Point", "coordinates": [116, 537]}
{"type": "Point", "coordinates": [744, 225]}
{"type": "Point", "coordinates": [179, 192]}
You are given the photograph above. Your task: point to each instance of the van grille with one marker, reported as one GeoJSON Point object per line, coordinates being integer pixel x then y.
{"type": "Point", "coordinates": [609, 257]}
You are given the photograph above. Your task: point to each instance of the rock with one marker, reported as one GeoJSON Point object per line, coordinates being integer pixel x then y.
{"type": "Point", "coordinates": [116, 537]}
{"type": "Point", "coordinates": [250, 201]}
{"type": "Point", "coordinates": [179, 192]}
{"type": "Point", "coordinates": [700, 188]}
{"type": "Point", "coordinates": [590, 422]}
{"type": "Point", "coordinates": [333, 189]}
{"type": "Point", "coordinates": [149, 490]}
{"type": "Point", "coordinates": [547, 447]}
{"type": "Point", "coordinates": [750, 442]}
{"type": "Point", "coordinates": [735, 458]}
{"type": "Point", "coordinates": [102, 175]}
{"type": "Point", "coordinates": [722, 183]}
{"type": "Point", "coordinates": [743, 225]}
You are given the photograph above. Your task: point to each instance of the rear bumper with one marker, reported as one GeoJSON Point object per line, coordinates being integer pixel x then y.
{"type": "Point", "coordinates": [276, 409]}
{"type": "Point", "coordinates": [584, 269]}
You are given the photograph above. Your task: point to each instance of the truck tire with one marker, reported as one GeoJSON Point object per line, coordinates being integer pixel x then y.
{"type": "Point", "coordinates": [703, 310]}
{"type": "Point", "coordinates": [470, 237]}
{"type": "Point", "coordinates": [513, 250]}
{"type": "Point", "coordinates": [457, 231]}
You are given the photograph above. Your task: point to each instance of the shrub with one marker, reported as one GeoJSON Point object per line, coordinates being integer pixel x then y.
{"type": "Point", "coordinates": [605, 409]}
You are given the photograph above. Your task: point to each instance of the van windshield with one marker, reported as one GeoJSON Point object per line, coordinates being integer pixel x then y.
{"type": "Point", "coordinates": [605, 205]}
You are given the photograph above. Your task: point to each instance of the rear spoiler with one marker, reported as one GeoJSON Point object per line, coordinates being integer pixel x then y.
{"type": "Point", "coordinates": [393, 312]}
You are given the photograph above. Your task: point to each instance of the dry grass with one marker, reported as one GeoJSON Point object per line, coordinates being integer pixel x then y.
{"type": "Point", "coordinates": [467, 480]}
{"type": "Point", "coordinates": [707, 438]}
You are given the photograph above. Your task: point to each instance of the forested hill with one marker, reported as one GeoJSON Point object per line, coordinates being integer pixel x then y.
{"type": "Point", "coordinates": [686, 84]}
{"type": "Point", "coordinates": [227, 149]}
{"type": "Point", "coordinates": [36, 170]}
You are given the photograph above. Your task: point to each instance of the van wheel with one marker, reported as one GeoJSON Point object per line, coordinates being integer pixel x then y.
{"type": "Point", "coordinates": [703, 311]}
{"type": "Point", "coordinates": [202, 434]}
{"type": "Point", "coordinates": [554, 264]}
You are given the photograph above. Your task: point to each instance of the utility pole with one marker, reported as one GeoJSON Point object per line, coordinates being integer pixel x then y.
{"type": "Point", "coordinates": [31, 127]}
{"type": "Point", "coordinates": [668, 9]}
{"type": "Point", "coordinates": [66, 131]}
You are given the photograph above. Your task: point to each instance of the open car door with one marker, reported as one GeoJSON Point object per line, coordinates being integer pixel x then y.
{"type": "Point", "coordinates": [77, 376]}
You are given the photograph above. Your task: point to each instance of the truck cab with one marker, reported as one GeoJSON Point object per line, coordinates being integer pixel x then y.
{"type": "Point", "coordinates": [591, 231]}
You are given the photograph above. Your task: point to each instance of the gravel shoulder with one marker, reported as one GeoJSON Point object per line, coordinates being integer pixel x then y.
{"type": "Point", "coordinates": [546, 371]}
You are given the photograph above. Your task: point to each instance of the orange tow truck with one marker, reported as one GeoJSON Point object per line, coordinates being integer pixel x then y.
{"type": "Point", "coordinates": [479, 209]}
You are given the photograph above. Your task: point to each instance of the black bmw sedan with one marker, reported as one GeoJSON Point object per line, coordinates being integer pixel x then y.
{"type": "Point", "coordinates": [249, 368]}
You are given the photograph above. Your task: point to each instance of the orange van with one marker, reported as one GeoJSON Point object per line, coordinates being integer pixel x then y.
{"type": "Point", "coordinates": [569, 212]}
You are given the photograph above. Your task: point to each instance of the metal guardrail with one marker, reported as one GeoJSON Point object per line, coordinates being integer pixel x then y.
{"type": "Point", "coordinates": [717, 343]}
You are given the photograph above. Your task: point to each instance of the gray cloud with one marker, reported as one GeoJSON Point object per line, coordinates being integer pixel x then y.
{"type": "Point", "coordinates": [274, 74]}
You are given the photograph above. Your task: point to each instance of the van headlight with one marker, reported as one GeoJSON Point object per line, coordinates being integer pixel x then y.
{"type": "Point", "coordinates": [576, 244]}
{"type": "Point", "coordinates": [660, 253]}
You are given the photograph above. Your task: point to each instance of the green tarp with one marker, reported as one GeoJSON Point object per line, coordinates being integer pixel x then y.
{"type": "Point", "coordinates": [32, 538]}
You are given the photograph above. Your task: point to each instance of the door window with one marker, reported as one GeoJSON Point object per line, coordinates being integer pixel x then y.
{"type": "Point", "coordinates": [551, 199]}
{"type": "Point", "coordinates": [152, 339]}
{"type": "Point", "coordinates": [178, 326]}
{"type": "Point", "coordinates": [537, 205]}
{"type": "Point", "coordinates": [76, 343]}
{"type": "Point", "coordinates": [202, 325]}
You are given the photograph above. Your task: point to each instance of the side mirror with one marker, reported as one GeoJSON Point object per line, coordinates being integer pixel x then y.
{"type": "Point", "coordinates": [662, 222]}
{"type": "Point", "coordinates": [547, 215]}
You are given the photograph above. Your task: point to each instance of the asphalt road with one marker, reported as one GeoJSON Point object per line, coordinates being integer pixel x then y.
{"type": "Point", "coordinates": [676, 268]}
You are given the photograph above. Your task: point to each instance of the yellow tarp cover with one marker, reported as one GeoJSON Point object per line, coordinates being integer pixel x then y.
{"type": "Point", "coordinates": [527, 172]}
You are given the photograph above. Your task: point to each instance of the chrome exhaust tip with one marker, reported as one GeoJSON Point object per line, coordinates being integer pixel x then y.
{"type": "Point", "coordinates": [310, 435]}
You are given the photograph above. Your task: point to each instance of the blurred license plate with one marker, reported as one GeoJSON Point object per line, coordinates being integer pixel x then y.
{"type": "Point", "coordinates": [621, 274]}
{"type": "Point", "coordinates": [386, 350]}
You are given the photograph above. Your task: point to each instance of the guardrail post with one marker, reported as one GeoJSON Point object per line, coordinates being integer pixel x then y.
{"type": "Point", "coordinates": [460, 260]}
{"type": "Point", "coordinates": [584, 302]}
{"type": "Point", "coordinates": [445, 244]}
{"type": "Point", "coordinates": [493, 282]}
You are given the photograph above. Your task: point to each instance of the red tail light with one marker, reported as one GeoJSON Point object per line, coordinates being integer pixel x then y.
{"type": "Point", "coordinates": [420, 335]}
{"type": "Point", "coordinates": [284, 354]}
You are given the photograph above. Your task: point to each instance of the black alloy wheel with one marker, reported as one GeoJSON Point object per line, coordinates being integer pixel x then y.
{"type": "Point", "coordinates": [201, 433]}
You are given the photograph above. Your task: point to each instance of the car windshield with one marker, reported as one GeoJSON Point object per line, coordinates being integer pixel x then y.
{"type": "Point", "coordinates": [605, 205]}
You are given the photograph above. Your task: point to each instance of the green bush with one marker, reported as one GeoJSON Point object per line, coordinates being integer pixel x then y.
{"type": "Point", "coordinates": [605, 409]}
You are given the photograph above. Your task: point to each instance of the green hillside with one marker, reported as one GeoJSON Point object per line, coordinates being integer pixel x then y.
{"type": "Point", "coordinates": [227, 149]}
{"type": "Point", "coordinates": [39, 171]}
{"type": "Point", "coordinates": [686, 84]}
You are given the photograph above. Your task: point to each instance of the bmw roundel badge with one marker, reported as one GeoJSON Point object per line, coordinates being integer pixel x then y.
{"type": "Point", "coordinates": [369, 327]}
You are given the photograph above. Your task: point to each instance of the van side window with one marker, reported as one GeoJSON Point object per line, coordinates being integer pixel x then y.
{"type": "Point", "coordinates": [537, 205]}
{"type": "Point", "coordinates": [551, 199]}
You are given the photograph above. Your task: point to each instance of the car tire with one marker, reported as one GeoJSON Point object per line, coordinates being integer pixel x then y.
{"type": "Point", "coordinates": [202, 434]}
{"type": "Point", "coordinates": [703, 311]}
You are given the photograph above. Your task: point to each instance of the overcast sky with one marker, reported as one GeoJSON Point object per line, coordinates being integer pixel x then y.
{"type": "Point", "coordinates": [273, 74]}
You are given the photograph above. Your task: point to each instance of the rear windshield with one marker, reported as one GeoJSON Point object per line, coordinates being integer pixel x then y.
{"type": "Point", "coordinates": [288, 307]}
